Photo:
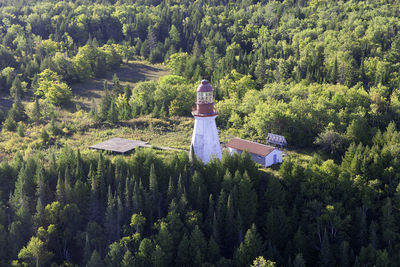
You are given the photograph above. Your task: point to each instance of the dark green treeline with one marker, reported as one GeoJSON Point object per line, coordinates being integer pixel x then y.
{"type": "Point", "coordinates": [147, 211]}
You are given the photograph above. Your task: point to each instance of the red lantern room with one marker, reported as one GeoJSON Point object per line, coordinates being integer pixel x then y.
{"type": "Point", "coordinates": [205, 99]}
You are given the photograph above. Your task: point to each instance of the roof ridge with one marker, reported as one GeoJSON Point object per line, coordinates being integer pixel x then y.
{"type": "Point", "coordinates": [252, 142]}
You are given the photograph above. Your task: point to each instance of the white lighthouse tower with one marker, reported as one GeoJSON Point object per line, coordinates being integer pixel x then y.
{"type": "Point", "coordinates": [205, 141]}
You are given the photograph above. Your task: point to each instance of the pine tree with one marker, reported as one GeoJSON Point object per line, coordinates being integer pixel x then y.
{"type": "Point", "coordinates": [171, 189]}
{"type": "Point", "coordinates": [325, 255]}
{"type": "Point", "coordinates": [158, 257]}
{"type": "Point", "coordinates": [16, 88]}
{"type": "Point", "coordinates": [184, 254]}
{"type": "Point", "coordinates": [145, 251]}
{"type": "Point", "coordinates": [116, 87]}
{"type": "Point", "coordinates": [39, 215]}
{"type": "Point", "coordinates": [21, 130]}
{"type": "Point", "coordinates": [299, 261]}
{"type": "Point", "coordinates": [110, 221]}
{"type": "Point", "coordinates": [60, 190]}
{"type": "Point", "coordinates": [165, 241]}
{"type": "Point", "coordinates": [128, 259]}
{"type": "Point", "coordinates": [198, 246]}
{"type": "Point", "coordinates": [213, 253]}
{"type": "Point", "coordinates": [105, 104]}
{"type": "Point", "coordinates": [54, 128]}
{"type": "Point", "coordinates": [42, 185]}
{"type": "Point", "coordinates": [17, 111]}
{"type": "Point", "coordinates": [344, 257]}
{"type": "Point", "coordinates": [389, 229]}
{"type": "Point", "coordinates": [95, 260]}
{"type": "Point", "coordinates": [86, 250]}
{"type": "Point", "coordinates": [113, 113]}
{"type": "Point", "coordinates": [247, 201]}
{"type": "Point", "coordinates": [251, 247]}
{"type": "Point", "coordinates": [10, 124]}
{"type": "Point", "coordinates": [44, 135]}
{"type": "Point", "coordinates": [260, 72]}
{"type": "Point", "coordinates": [68, 185]}
{"type": "Point", "coordinates": [36, 113]}
{"type": "Point", "coordinates": [230, 234]}
{"type": "Point", "coordinates": [114, 255]}
{"type": "Point", "coordinates": [79, 167]}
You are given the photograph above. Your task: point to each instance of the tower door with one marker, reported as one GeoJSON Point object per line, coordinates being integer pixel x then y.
{"type": "Point", "coordinates": [275, 159]}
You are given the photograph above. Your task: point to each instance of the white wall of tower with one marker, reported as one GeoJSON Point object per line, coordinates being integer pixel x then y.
{"type": "Point", "coordinates": [205, 140]}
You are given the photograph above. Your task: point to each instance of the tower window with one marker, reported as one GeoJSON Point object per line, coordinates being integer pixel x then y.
{"type": "Point", "coordinates": [204, 97]}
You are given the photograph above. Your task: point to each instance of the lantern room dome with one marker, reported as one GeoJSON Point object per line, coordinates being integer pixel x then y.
{"type": "Point", "coordinates": [204, 87]}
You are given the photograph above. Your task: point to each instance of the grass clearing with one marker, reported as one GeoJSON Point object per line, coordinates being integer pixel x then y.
{"type": "Point", "coordinates": [129, 73]}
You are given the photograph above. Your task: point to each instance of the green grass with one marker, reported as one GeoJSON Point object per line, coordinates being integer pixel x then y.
{"type": "Point", "coordinates": [128, 73]}
{"type": "Point", "coordinates": [79, 130]}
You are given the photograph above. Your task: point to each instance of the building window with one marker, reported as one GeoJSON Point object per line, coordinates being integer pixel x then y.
{"type": "Point", "coordinates": [204, 97]}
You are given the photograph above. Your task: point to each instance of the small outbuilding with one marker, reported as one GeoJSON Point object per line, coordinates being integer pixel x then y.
{"type": "Point", "coordinates": [262, 154]}
{"type": "Point", "coordinates": [275, 139]}
{"type": "Point", "coordinates": [119, 145]}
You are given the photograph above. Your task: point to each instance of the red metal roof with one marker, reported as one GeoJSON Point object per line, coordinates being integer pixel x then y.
{"type": "Point", "coordinates": [204, 87]}
{"type": "Point", "coordinates": [249, 146]}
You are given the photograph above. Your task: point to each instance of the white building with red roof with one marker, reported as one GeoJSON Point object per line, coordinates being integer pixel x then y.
{"type": "Point", "coordinates": [262, 154]}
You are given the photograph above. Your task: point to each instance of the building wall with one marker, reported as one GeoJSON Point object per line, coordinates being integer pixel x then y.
{"type": "Point", "coordinates": [264, 161]}
{"type": "Point", "coordinates": [269, 159]}
{"type": "Point", "coordinates": [205, 139]}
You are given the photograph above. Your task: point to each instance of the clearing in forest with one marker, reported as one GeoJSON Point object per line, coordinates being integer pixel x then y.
{"type": "Point", "coordinates": [128, 73]}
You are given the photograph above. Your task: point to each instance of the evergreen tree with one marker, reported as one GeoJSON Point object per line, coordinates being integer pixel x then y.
{"type": "Point", "coordinates": [326, 255]}
{"type": "Point", "coordinates": [158, 257]}
{"type": "Point", "coordinates": [60, 190]}
{"type": "Point", "coordinates": [251, 247]}
{"type": "Point", "coordinates": [184, 254]}
{"type": "Point", "coordinates": [198, 246]}
{"type": "Point", "coordinates": [95, 260]}
{"type": "Point", "coordinates": [36, 113]}
{"type": "Point", "coordinates": [10, 124]}
{"type": "Point", "coordinates": [16, 88]}
{"type": "Point", "coordinates": [21, 130]}
{"type": "Point", "coordinates": [128, 259]}
{"type": "Point", "coordinates": [165, 241]}
{"type": "Point", "coordinates": [113, 113]}
{"type": "Point", "coordinates": [17, 111]}
{"type": "Point", "coordinates": [44, 135]}
{"type": "Point", "coordinates": [389, 229]}
{"type": "Point", "coordinates": [213, 252]}
{"type": "Point", "coordinates": [116, 87]}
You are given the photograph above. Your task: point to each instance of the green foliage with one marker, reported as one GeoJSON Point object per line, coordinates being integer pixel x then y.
{"type": "Point", "coordinates": [317, 72]}
{"type": "Point", "coordinates": [35, 249]}
{"type": "Point", "coordinates": [10, 124]}
{"type": "Point", "coordinates": [261, 262]}
{"type": "Point", "coordinates": [21, 130]}
{"type": "Point", "coordinates": [51, 87]}
{"type": "Point", "coordinates": [176, 62]}
{"type": "Point", "coordinates": [44, 135]}
{"type": "Point", "coordinates": [36, 113]}
{"type": "Point", "coordinates": [137, 211]}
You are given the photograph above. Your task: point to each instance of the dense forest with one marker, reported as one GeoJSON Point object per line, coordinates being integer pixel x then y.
{"type": "Point", "coordinates": [325, 74]}
{"type": "Point", "coordinates": [145, 211]}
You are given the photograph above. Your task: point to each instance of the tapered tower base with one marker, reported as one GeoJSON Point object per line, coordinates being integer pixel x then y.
{"type": "Point", "coordinates": [205, 141]}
